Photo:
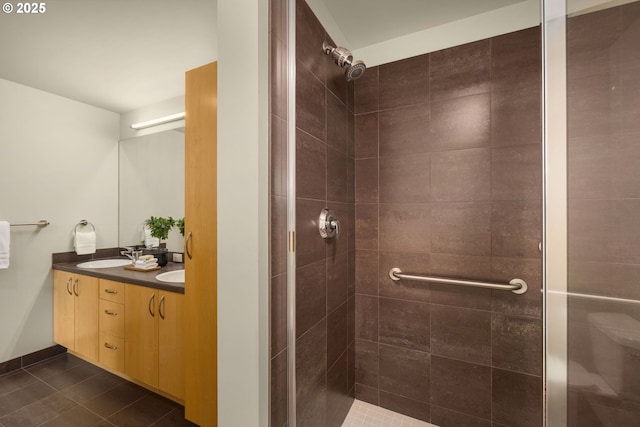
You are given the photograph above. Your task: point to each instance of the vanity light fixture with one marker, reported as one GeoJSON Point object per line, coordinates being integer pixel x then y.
{"type": "Point", "coordinates": [160, 121]}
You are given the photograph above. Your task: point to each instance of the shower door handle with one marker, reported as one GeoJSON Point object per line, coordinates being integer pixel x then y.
{"type": "Point", "coordinates": [328, 225]}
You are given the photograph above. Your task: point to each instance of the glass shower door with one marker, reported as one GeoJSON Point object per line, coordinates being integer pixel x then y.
{"type": "Point", "coordinates": [592, 201]}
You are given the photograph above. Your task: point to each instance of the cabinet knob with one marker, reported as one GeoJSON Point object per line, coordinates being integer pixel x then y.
{"type": "Point", "coordinates": [110, 313]}
{"type": "Point", "coordinates": [111, 291]}
{"type": "Point", "coordinates": [110, 346]}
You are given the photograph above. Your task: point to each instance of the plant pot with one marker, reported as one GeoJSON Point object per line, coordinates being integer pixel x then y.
{"type": "Point", "coordinates": [161, 253]}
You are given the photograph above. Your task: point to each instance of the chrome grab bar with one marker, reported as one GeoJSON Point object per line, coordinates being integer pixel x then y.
{"type": "Point", "coordinates": [517, 286]}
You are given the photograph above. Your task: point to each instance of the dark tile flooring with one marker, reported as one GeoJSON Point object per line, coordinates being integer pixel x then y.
{"type": "Point", "coordinates": [65, 391]}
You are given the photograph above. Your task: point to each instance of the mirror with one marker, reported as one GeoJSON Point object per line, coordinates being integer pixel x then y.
{"type": "Point", "coordinates": [151, 183]}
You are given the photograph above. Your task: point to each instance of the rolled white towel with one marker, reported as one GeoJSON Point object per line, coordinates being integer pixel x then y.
{"type": "Point", "coordinates": [146, 266]}
{"type": "Point", "coordinates": [5, 240]}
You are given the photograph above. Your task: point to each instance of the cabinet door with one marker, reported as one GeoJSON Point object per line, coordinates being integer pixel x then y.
{"type": "Point", "coordinates": [85, 289]}
{"type": "Point", "coordinates": [171, 351]}
{"type": "Point", "coordinates": [201, 238]}
{"type": "Point", "coordinates": [141, 334]}
{"type": "Point", "coordinates": [63, 309]}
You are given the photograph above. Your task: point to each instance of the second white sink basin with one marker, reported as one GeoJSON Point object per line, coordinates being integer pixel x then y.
{"type": "Point", "coordinates": [175, 276]}
{"type": "Point", "coordinates": [105, 263]}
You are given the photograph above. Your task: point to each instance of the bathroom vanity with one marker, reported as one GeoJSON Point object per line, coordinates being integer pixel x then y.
{"type": "Point", "coordinates": [127, 322]}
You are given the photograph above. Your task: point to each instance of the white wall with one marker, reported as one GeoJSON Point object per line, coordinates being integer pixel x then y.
{"type": "Point", "coordinates": [58, 161]}
{"type": "Point", "coordinates": [243, 213]}
{"type": "Point", "coordinates": [151, 184]}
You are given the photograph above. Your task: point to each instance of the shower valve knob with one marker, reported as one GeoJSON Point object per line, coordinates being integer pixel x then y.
{"type": "Point", "coordinates": [328, 225]}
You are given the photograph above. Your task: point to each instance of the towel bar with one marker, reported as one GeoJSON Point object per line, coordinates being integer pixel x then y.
{"type": "Point", "coordinates": [41, 223]}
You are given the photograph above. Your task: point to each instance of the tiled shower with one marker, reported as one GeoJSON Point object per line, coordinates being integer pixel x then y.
{"type": "Point", "coordinates": [433, 164]}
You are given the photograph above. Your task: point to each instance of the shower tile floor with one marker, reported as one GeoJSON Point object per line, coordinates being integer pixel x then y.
{"type": "Point", "coordinates": [367, 415]}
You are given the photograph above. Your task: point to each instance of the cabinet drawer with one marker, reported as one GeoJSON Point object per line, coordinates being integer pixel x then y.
{"type": "Point", "coordinates": [112, 352]}
{"type": "Point", "coordinates": [112, 318]}
{"type": "Point", "coordinates": [112, 291]}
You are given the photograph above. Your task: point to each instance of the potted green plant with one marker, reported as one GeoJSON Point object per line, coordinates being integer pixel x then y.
{"type": "Point", "coordinates": [159, 228]}
{"type": "Point", "coordinates": [180, 225]}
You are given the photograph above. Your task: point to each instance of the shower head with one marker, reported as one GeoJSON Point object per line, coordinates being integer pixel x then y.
{"type": "Point", "coordinates": [344, 59]}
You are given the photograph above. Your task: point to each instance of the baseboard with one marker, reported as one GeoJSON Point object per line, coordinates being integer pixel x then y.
{"type": "Point", "coordinates": [31, 358]}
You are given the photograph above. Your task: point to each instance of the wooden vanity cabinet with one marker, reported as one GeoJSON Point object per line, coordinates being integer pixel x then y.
{"type": "Point", "coordinates": [75, 309]}
{"type": "Point", "coordinates": [153, 338]}
{"type": "Point", "coordinates": [111, 324]}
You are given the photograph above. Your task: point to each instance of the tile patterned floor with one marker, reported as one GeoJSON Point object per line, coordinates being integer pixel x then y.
{"type": "Point", "coordinates": [68, 392]}
{"type": "Point", "coordinates": [363, 414]}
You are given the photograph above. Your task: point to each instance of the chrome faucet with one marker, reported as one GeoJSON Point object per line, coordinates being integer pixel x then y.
{"type": "Point", "coordinates": [131, 253]}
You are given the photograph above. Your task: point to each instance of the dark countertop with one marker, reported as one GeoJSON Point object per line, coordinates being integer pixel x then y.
{"type": "Point", "coordinates": [119, 274]}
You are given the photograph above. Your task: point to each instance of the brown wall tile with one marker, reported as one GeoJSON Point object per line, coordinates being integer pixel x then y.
{"type": "Point", "coordinates": [516, 116]}
{"type": "Point", "coordinates": [311, 368]}
{"type": "Point", "coordinates": [367, 394]}
{"type": "Point", "coordinates": [337, 280]}
{"type": "Point", "coordinates": [309, 245]}
{"type": "Point", "coordinates": [463, 122]}
{"type": "Point", "coordinates": [517, 343]}
{"type": "Point", "coordinates": [366, 317]}
{"type": "Point", "coordinates": [311, 104]}
{"type": "Point", "coordinates": [587, 54]}
{"type": "Point", "coordinates": [311, 167]}
{"type": "Point", "coordinates": [517, 399]}
{"type": "Point", "coordinates": [405, 372]}
{"type": "Point", "coordinates": [445, 418]}
{"type": "Point", "coordinates": [590, 171]}
{"type": "Point", "coordinates": [527, 269]}
{"type": "Point", "coordinates": [461, 386]}
{"type": "Point", "coordinates": [337, 176]}
{"type": "Point", "coordinates": [367, 180]}
{"type": "Point", "coordinates": [462, 175]}
{"type": "Point", "coordinates": [516, 173]}
{"type": "Point", "coordinates": [309, 37]}
{"type": "Point", "coordinates": [367, 365]}
{"type": "Point", "coordinates": [516, 59]}
{"type": "Point", "coordinates": [367, 272]}
{"type": "Point", "coordinates": [366, 92]}
{"type": "Point", "coordinates": [461, 334]}
{"type": "Point", "coordinates": [404, 130]}
{"type": "Point", "coordinates": [337, 119]}
{"type": "Point", "coordinates": [402, 405]}
{"type": "Point", "coordinates": [338, 400]}
{"type": "Point", "coordinates": [516, 228]}
{"type": "Point", "coordinates": [417, 263]}
{"type": "Point", "coordinates": [592, 105]}
{"type": "Point", "coordinates": [404, 324]}
{"type": "Point", "coordinates": [337, 336]}
{"type": "Point", "coordinates": [367, 227]}
{"type": "Point", "coordinates": [405, 227]}
{"type": "Point", "coordinates": [311, 291]}
{"type": "Point", "coordinates": [629, 103]}
{"type": "Point", "coordinates": [366, 135]}
{"type": "Point", "coordinates": [461, 228]}
{"type": "Point", "coordinates": [461, 70]}
{"type": "Point", "coordinates": [405, 178]}
{"type": "Point", "coordinates": [396, 90]}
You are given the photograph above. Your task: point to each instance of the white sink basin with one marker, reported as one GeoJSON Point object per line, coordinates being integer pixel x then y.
{"type": "Point", "coordinates": [105, 263]}
{"type": "Point", "coordinates": [175, 276]}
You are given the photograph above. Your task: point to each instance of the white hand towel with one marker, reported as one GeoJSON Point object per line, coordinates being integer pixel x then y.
{"type": "Point", "coordinates": [5, 239]}
{"type": "Point", "coordinates": [149, 241]}
{"type": "Point", "coordinates": [85, 241]}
